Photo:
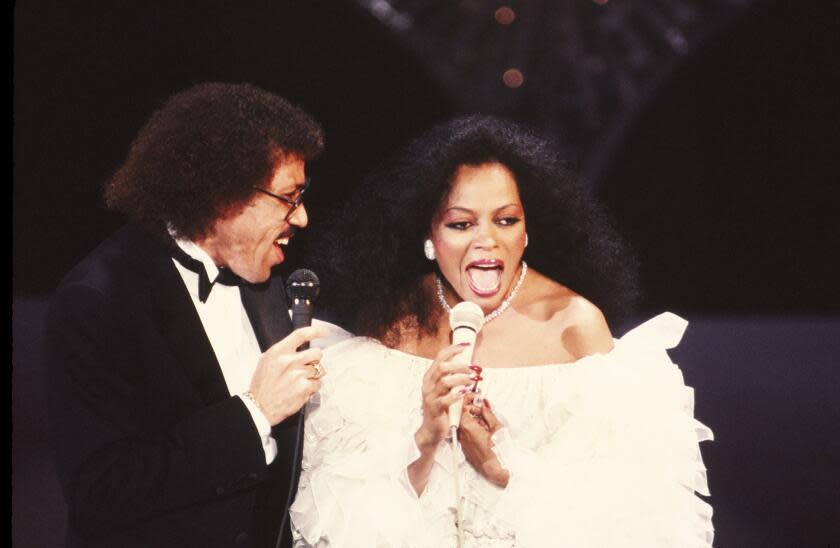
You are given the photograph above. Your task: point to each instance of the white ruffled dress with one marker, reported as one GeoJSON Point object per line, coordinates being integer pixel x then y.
{"type": "Point", "coordinates": [602, 452]}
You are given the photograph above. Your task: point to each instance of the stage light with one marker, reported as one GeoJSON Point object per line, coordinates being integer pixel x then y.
{"type": "Point", "coordinates": [513, 78]}
{"type": "Point", "coordinates": [590, 65]}
{"type": "Point", "coordinates": [505, 16]}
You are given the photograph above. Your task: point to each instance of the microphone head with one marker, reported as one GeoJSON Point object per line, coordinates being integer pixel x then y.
{"type": "Point", "coordinates": [466, 314]}
{"type": "Point", "coordinates": [302, 284]}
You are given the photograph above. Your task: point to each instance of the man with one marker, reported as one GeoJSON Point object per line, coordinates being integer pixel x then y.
{"type": "Point", "coordinates": [174, 379]}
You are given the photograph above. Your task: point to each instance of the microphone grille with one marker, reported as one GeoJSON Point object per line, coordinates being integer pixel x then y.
{"type": "Point", "coordinates": [302, 284]}
{"type": "Point", "coordinates": [466, 314]}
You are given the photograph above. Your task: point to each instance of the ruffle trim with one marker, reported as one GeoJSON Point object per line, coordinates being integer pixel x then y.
{"type": "Point", "coordinates": [631, 398]}
{"type": "Point", "coordinates": [615, 432]}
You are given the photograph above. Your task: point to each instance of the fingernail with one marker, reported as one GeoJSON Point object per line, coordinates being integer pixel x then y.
{"type": "Point", "coordinates": [476, 378]}
{"type": "Point", "coordinates": [464, 344]}
{"type": "Point", "coordinates": [487, 403]}
{"type": "Point", "coordinates": [476, 368]}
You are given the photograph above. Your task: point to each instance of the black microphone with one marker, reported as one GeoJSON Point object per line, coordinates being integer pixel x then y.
{"type": "Point", "coordinates": [302, 288]}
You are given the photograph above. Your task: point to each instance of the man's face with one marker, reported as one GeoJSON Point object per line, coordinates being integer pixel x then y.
{"type": "Point", "coordinates": [248, 240]}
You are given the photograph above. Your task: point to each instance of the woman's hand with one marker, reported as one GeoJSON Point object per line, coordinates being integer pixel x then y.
{"type": "Point", "coordinates": [478, 424]}
{"type": "Point", "coordinates": [443, 383]}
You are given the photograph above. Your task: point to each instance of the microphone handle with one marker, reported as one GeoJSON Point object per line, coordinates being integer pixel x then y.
{"type": "Point", "coordinates": [302, 311]}
{"type": "Point", "coordinates": [461, 335]}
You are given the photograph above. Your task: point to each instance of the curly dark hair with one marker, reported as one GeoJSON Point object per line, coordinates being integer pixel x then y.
{"type": "Point", "coordinates": [371, 258]}
{"type": "Point", "coordinates": [199, 155]}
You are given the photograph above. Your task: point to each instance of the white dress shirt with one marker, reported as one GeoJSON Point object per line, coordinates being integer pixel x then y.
{"type": "Point", "coordinates": [231, 335]}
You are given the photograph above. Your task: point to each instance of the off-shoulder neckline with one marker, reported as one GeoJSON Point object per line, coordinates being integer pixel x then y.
{"type": "Point", "coordinates": [663, 331]}
{"type": "Point", "coordinates": [425, 361]}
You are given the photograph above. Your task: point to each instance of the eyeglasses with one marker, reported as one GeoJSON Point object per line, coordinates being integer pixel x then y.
{"type": "Point", "coordinates": [293, 204]}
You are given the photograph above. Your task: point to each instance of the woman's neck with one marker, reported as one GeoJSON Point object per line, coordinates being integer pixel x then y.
{"type": "Point", "coordinates": [543, 325]}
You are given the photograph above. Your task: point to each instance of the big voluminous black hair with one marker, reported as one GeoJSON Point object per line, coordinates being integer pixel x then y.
{"type": "Point", "coordinates": [371, 260]}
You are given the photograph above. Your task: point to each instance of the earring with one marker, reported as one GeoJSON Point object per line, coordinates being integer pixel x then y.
{"type": "Point", "coordinates": [526, 239]}
{"type": "Point", "coordinates": [429, 250]}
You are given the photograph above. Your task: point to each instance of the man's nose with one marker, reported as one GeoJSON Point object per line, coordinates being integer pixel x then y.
{"type": "Point", "coordinates": [299, 217]}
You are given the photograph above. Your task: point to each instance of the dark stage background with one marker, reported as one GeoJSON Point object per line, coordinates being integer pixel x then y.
{"type": "Point", "coordinates": [722, 173]}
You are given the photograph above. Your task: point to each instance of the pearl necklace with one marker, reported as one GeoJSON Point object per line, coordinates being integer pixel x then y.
{"type": "Point", "coordinates": [493, 314]}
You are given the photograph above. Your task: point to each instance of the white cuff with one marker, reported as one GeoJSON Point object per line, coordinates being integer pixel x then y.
{"type": "Point", "coordinates": [269, 445]}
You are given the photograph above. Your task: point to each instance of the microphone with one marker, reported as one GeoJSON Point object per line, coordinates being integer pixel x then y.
{"type": "Point", "coordinates": [302, 288]}
{"type": "Point", "coordinates": [465, 320]}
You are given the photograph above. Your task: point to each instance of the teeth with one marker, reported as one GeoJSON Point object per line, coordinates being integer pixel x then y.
{"type": "Point", "coordinates": [282, 241]}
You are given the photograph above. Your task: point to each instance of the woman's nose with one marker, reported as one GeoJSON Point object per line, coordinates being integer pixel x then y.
{"type": "Point", "coordinates": [485, 237]}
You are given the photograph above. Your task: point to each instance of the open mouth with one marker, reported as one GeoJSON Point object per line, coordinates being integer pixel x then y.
{"type": "Point", "coordinates": [485, 276]}
{"type": "Point", "coordinates": [283, 238]}
{"type": "Point", "coordinates": [281, 241]}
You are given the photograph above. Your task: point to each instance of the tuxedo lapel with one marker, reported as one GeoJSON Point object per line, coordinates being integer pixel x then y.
{"type": "Point", "coordinates": [180, 326]}
{"type": "Point", "coordinates": [189, 343]}
{"type": "Point", "coordinates": [268, 311]}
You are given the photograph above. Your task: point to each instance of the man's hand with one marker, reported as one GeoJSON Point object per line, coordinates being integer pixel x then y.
{"type": "Point", "coordinates": [285, 378]}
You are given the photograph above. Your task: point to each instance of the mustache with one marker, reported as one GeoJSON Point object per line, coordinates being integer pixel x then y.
{"type": "Point", "coordinates": [288, 233]}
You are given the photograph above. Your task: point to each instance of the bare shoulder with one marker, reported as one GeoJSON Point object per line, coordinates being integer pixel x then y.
{"type": "Point", "coordinates": [579, 323]}
{"type": "Point", "coordinates": [588, 332]}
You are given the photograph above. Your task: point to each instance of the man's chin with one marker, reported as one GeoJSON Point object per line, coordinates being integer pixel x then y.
{"type": "Point", "coordinates": [254, 277]}
{"type": "Point", "coordinates": [261, 278]}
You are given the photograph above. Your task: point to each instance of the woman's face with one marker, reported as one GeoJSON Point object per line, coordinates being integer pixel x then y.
{"type": "Point", "coordinates": [479, 234]}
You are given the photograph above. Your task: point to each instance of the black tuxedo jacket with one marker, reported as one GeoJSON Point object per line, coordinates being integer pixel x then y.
{"type": "Point", "coordinates": [152, 449]}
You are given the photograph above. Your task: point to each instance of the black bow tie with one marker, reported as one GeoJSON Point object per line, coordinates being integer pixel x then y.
{"type": "Point", "coordinates": [225, 277]}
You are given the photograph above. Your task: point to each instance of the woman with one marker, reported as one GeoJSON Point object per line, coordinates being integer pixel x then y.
{"type": "Point", "coordinates": [580, 440]}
